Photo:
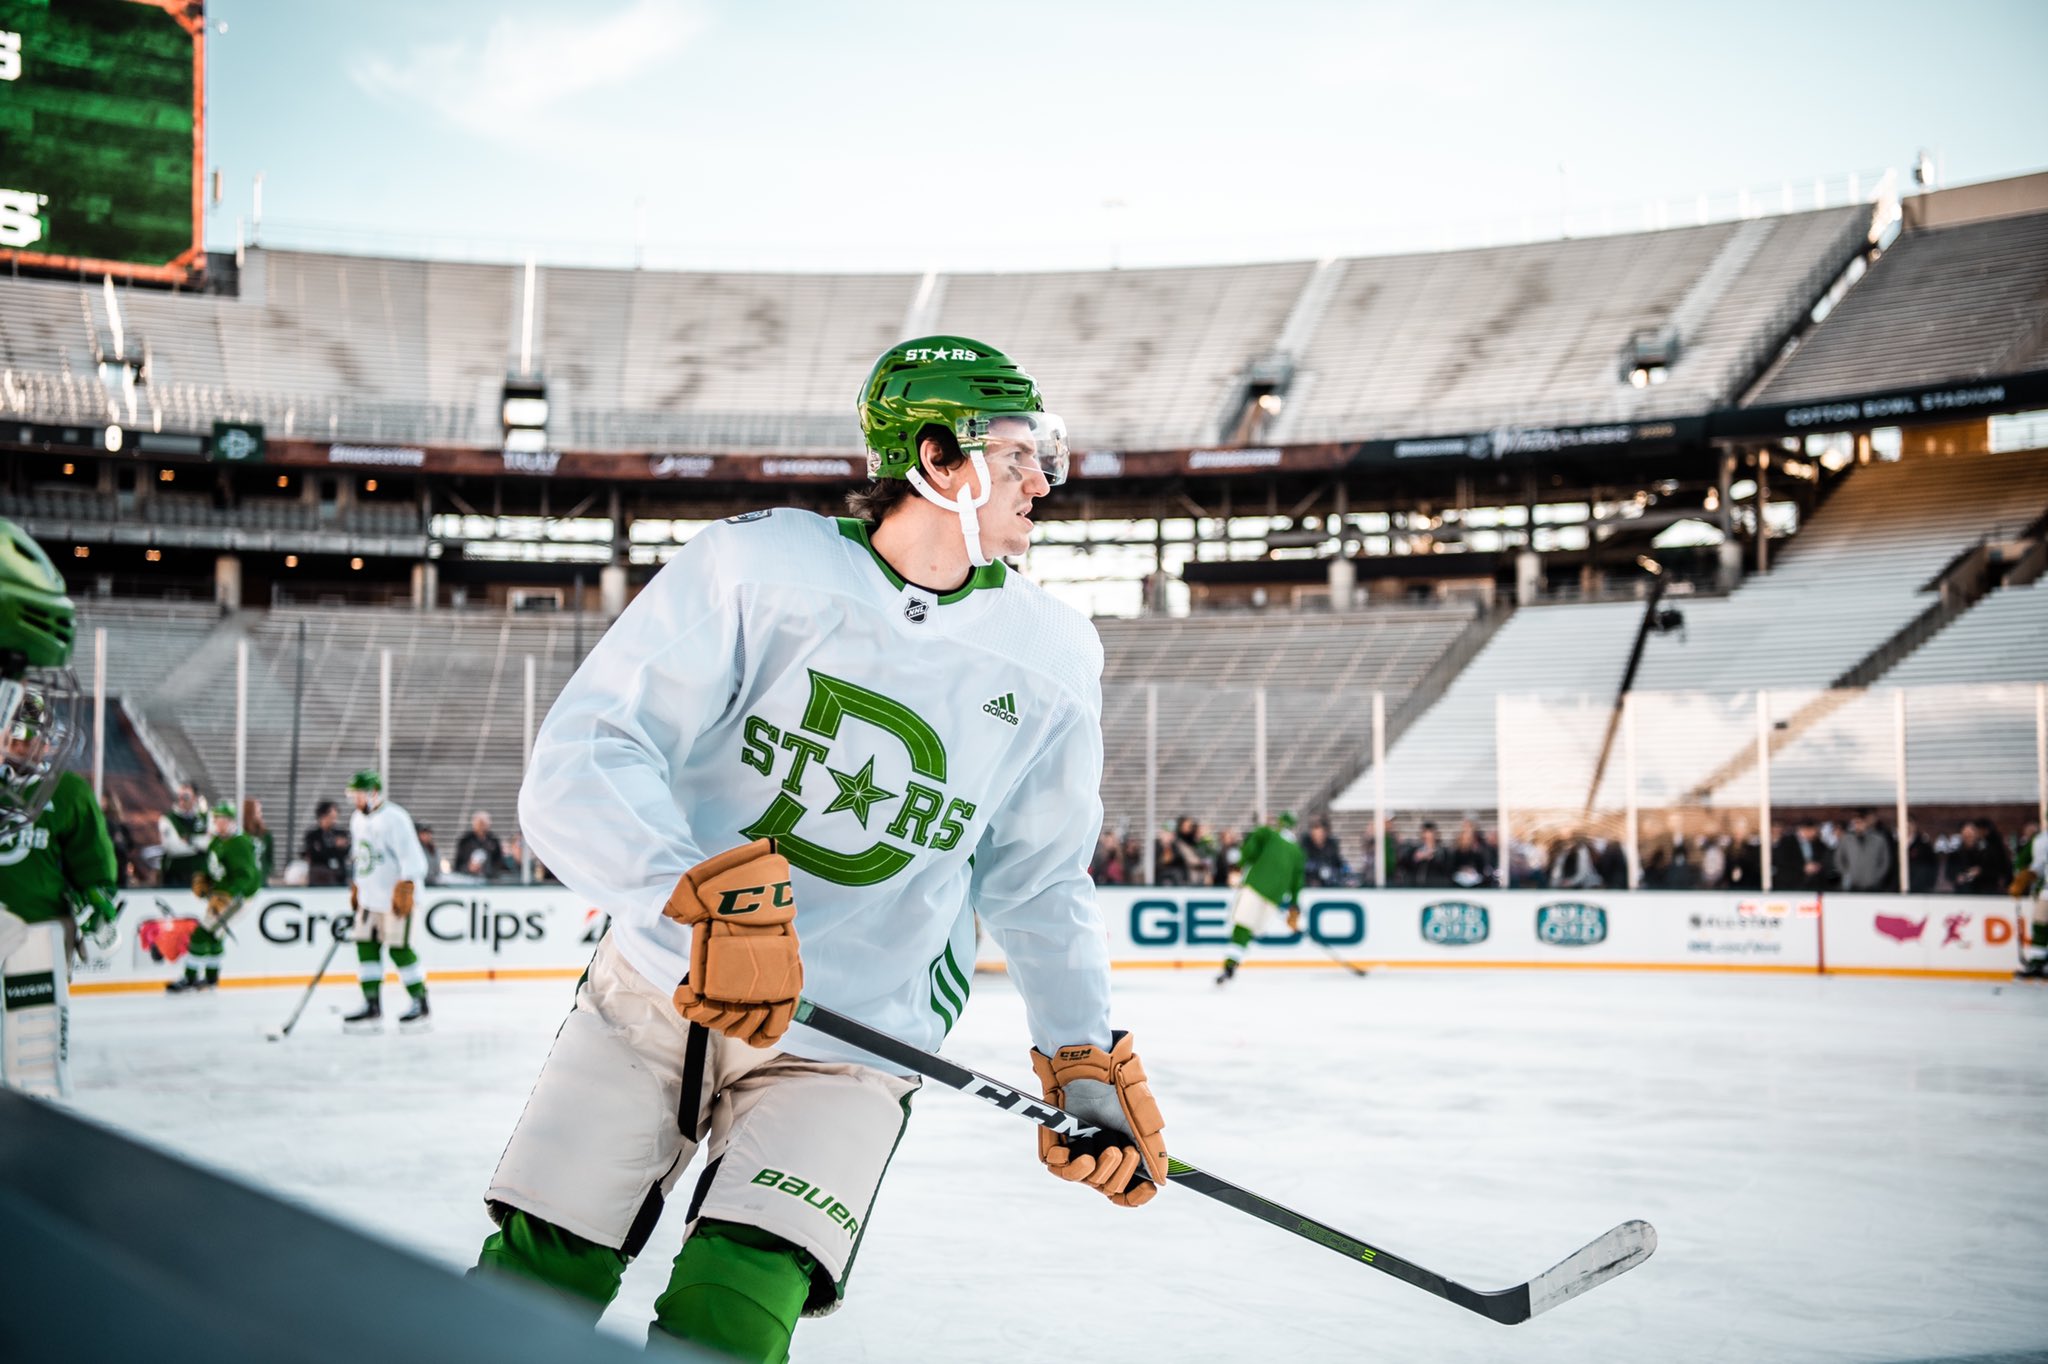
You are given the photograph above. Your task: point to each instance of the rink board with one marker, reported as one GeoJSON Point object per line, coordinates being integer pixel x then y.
{"type": "Point", "coordinates": [539, 932]}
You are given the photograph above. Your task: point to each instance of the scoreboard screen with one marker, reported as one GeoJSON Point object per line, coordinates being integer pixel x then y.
{"type": "Point", "coordinates": [101, 135]}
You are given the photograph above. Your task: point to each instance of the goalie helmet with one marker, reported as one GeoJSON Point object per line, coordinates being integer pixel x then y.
{"type": "Point", "coordinates": [971, 391]}
{"type": "Point", "coordinates": [38, 695]}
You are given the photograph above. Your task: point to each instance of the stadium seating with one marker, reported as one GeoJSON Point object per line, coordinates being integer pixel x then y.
{"type": "Point", "coordinates": [1132, 358]}
{"type": "Point", "coordinates": [457, 699]}
{"type": "Point", "coordinates": [1445, 762]}
{"type": "Point", "coordinates": [1852, 577]}
{"type": "Point", "coordinates": [1533, 334]}
{"type": "Point", "coordinates": [410, 351]}
{"type": "Point", "coordinates": [1319, 673]}
{"type": "Point", "coordinates": [1943, 303]}
{"type": "Point", "coordinates": [1971, 717]}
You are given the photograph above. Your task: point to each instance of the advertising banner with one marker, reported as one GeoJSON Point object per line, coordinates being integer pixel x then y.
{"type": "Point", "coordinates": [528, 932]}
{"type": "Point", "coordinates": [1922, 934]}
{"type": "Point", "coordinates": [1454, 927]}
{"type": "Point", "coordinates": [280, 935]}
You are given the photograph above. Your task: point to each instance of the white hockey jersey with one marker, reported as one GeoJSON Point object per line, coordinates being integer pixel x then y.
{"type": "Point", "coordinates": [383, 849]}
{"type": "Point", "coordinates": [920, 758]}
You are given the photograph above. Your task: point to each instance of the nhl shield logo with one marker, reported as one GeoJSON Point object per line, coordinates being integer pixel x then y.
{"type": "Point", "coordinates": [914, 610]}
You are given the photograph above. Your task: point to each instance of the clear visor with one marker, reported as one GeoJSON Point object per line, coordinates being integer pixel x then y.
{"type": "Point", "coordinates": [1021, 441]}
{"type": "Point", "coordinates": [38, 733]}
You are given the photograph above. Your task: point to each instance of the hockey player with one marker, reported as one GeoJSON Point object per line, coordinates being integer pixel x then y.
{"type": "Point", "coordinates": [57, 869]}
{"type": "Point", "coordinates": [1272, 865]}
{"type": "Point", "coordinates": [2030, 888]}
{"type": "Point", "coordinates": [233, 873]}
{"type": "Point", "coordinates": [387, 863]}
{"type": "Point", "coordinates": [799, 762]}
{"type": "Point", "coordinates": [181, 834]}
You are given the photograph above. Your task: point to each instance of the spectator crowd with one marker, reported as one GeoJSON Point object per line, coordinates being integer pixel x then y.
{"type": "Point", "coordinates": [1858, 853]}
{"type": "Point", "coordinates": [322, 855]}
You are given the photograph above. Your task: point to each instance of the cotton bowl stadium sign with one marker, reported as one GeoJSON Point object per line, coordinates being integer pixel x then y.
{"type": "Point", "coordinates": [1455, 923]}
{"type": "Point", "coordinates": [1568, 923]}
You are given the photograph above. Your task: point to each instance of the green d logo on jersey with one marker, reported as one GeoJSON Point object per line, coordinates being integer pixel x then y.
{"type": "Point", "coordinates": [832, 701]}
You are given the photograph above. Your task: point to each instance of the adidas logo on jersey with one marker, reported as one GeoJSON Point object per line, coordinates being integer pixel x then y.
{"type": "Point", "coordinates": [1003, 707]}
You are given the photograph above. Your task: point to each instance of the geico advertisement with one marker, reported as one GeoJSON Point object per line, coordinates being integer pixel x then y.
{"type": "Point", "coordinates": [285, 932]}
{"type": "Point", "coordinates": [1453, 926]}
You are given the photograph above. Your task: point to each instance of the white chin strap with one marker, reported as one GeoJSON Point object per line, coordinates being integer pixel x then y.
{"type": "Point", "coordinates": [964, 506]}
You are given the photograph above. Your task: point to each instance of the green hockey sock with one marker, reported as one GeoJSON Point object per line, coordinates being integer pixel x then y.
{"type": "Point", "coordinates": [212, 974]}
{"type": "Point", "coordinates": [528, 1248]}
{"type": "Point", "coordinates": [370, 969]}
{"type": "Point", "coordinates": [408, 963]}
{"type": "Point", "coordinates": [2041, 932]}
{"type": "Point", "coordinates": [737, 1289]}
{"type": "Point", "coordinates": [1240, 936]}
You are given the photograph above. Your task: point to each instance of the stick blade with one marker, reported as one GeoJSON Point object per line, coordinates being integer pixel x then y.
{"type": "Point", "coordinates": [1607, 1257]}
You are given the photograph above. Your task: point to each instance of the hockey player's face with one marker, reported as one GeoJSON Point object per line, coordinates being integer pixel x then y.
{"type": "Point", "coordinates": [1016, 482]}
{"type": "Point", "coordinates": [359, 799]}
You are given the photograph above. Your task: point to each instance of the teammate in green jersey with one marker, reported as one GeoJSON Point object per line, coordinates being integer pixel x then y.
{"type": "Point", "coordinates": [57, 869]}
{"type": "Point", "coordinates": [1273, 864]}
{"type": "Point", "coordinates": [232, 875]}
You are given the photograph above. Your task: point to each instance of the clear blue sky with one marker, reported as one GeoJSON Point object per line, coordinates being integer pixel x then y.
{"type": "Point", "coordinates": [809, 135]}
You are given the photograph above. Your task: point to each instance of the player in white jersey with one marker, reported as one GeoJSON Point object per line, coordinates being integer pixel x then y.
{"type": "Point", "coordinates": [386, 865]}
{"type": "Point", "coordinates": [801, 761]}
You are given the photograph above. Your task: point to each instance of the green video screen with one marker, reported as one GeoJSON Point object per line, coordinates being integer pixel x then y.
{"type": "Point", "coordinates": [99, 134]}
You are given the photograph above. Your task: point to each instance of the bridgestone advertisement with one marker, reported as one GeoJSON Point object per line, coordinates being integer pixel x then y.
{"type": "Point", "coordinates": [525, 933]}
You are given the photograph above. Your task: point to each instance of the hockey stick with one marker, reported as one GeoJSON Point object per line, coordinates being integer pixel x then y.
{"type": "Point", "coordinates": [1353, 967]}
{"type": "Point", "coordinates": [307, 998]}
{"type": "Point", "coordinates": [1615, 1253]}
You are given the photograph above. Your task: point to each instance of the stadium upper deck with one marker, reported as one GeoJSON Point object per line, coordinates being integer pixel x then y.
{"type": "Point", "coordinates": [368, 349]}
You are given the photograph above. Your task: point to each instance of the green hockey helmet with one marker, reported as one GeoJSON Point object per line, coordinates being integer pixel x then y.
{"type": "Point", "coordinates": [39, 698]}
{"type": "Point", "coordinates": [1285, 819]}
{"type": "Point", "coordinates": [972, 391]}
{"type": "Point", "coordinates": [37, 622]}
{"type": "Point", "coordinates": [366, 780]}
{"type": "Point", "coordinates": [223, 809]}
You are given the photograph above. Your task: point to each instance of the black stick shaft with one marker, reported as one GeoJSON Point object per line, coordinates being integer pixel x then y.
{"type": "Point", "coordinates": [1508, 1305]}
{"type": "Point", "coordinates": [314, 984]}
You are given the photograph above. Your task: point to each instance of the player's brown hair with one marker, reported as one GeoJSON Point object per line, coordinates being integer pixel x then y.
{"type": "Point", "coordinates": [880, 496]}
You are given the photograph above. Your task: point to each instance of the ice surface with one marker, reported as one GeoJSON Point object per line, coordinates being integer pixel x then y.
{"type": "Point", "coordinates": [1838, 1169]}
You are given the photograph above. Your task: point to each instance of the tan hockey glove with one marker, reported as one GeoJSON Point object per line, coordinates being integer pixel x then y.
{"type": "Point", "coordinates": [1092, 1084]}
{"type": "Point", "coordinates": [745, 970]}
{"type": "Point", "coordinates": [2023, 882]}
{"type": "Point", "coordinates": [220, 907]}
{"type": "Point", "coordinates": [401, 899]}
{"type": "Point", "coordinates": [355, 903]}
{"type": "Point", "coordinates": [202, 884]}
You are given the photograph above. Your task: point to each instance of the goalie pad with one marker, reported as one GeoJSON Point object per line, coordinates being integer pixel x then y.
{"type": "Point", "coordinates": [35, 1013]}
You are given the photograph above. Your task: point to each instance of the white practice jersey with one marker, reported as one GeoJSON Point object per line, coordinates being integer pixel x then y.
{"type": "Point", "coordinates": [918, 757]}
{"type": "Point", "coordinates": [384, 849]}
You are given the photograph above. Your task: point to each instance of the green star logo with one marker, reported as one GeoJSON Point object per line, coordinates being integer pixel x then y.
{"type": "Point", "coordinates": [858, 792]}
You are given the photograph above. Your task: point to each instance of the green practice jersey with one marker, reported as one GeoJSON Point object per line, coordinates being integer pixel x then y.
{"type": "Point", "coordinates": [1273, 863]}
{"type": "Point", "coordinates": [232, 866]}
{"type": "Point", "coordinates": [63, 854]}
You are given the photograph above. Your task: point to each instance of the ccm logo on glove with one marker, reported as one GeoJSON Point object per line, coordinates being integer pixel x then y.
{"type": "Point", "coordinates": [730, 902]}
{"type": "Point", "coordinates": [745, 971]}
